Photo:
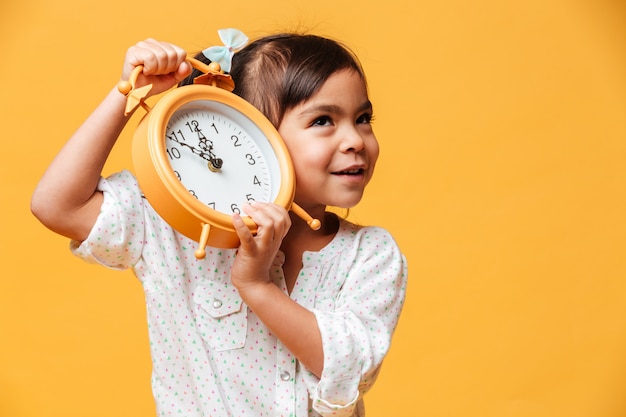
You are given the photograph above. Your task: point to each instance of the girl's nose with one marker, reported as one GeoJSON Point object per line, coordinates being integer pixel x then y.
{"type": "Point", "coordinates": [353, 140]}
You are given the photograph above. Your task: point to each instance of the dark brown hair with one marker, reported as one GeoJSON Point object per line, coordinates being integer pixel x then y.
{"type": "Point", "coordinates": [276, 73]}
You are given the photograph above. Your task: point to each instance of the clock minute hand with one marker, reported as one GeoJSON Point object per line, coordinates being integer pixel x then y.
{"type": "Point", "coordinates": [194, 150]}
{"type": "Point", "coordinates": [214, 164]}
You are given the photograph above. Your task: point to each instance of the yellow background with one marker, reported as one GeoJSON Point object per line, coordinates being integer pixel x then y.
{"type": "Point", "coordinates": [502, 176]}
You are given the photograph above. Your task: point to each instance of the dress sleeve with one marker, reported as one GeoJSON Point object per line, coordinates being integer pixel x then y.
{"type": "Point", "coordinates": [116, 238]}
{"type": "Point", "coordinates": [356, 336]}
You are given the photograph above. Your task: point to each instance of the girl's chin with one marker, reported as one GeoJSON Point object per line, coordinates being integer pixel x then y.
{"type": "Point", "coordinates": [340, 199]}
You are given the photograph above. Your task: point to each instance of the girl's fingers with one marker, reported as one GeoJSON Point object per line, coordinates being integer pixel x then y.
{"type": "Point", "coordinates": [273, 221]}
{"type": "Point", "coordinates": [157, 57]}
{"type": "Point", "coordinates": [256, 253]}
{"type": "Point", "coordinates": [164, 64]}
{"type": "Point", "coordinates": [243, 233]}
{"type": "Point", "coordinates": [162, 58]}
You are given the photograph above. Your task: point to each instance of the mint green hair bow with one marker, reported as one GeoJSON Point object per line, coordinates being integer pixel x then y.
{"type": "Point", "coordinates": [233, 40]}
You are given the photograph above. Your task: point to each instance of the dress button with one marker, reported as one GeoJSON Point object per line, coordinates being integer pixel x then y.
{"type": "Point", "coordinates": [217, 303]}
{"type": "Point", "coordinates": [285, 376]}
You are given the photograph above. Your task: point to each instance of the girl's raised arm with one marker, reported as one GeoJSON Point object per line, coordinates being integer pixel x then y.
{"type": "Point", "coordinates": [66, 199]}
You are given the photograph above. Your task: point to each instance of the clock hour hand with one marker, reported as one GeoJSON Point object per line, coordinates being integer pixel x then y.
{"type": "Point", "coordinates": [214, 163]}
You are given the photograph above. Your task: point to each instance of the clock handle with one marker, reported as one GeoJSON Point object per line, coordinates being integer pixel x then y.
{"type": "Point", "coordinates": [200, 253]}
{"type": "Point", "coordinates": [213, 74]}
{"type": "Point", "coordinates": [134, 96]}
{"type": "Point", "coordinates": [314, 224]}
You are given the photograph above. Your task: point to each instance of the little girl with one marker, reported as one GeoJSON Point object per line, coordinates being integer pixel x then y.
{"type": "Point", "coordinates": [294, 322]}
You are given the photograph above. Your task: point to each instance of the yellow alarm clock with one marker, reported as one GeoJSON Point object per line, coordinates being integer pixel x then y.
{"type": "Point", "coordinates": [202, 152]}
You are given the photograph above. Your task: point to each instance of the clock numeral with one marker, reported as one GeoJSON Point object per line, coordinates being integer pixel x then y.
{"type": "Point", "coordinates": [174, 135]}
{"type": "Point", "coordinates": [235, 140]}
{"type": "Point", "coordinates": [215, 128]}
{"type": "Point", "coordinates": [256, 181]}
{"type": "Point", "coordinates": [178, 175]}
{"type": "Point", "coordinates": [249, 197]}
{"type": "Point", "coordinates": [193, 193]}
{"type": "Point", "coordinates": [235, 209]}
{"type": "Point", "coordinates": [173, 153]}
{"type": "Point", "coordinates": [193, 126]}
{"type": "Point", "coordinates": [212, 205]}
{"type": "Point", "coordinates": [250, 159]}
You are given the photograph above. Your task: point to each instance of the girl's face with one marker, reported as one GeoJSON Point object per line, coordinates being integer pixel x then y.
{"type": "Point", "coordinates": [331, 142]}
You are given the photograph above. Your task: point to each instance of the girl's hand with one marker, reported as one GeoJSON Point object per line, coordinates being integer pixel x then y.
{"type": "Point", "coordinates": [256, 253]}
{"type": "Point", "coordinates": [164, 64]}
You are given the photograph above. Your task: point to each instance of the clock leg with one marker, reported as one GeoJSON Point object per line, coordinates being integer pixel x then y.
{"type": "Point", "coordinates": [314, 224]}
{"type": "Point", "coordinates": [200, 253]}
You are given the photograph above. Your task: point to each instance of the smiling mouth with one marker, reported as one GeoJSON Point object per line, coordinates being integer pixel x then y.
{"type": "Point", "coordinates": [350, 172]}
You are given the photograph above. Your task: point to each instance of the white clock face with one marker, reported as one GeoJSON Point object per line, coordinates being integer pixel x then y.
{"type": "Point", "coordinates": [220, 156]}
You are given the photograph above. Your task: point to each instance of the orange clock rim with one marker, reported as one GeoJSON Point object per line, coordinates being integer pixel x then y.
{"type": "Point", "coordinates": [161, 114]}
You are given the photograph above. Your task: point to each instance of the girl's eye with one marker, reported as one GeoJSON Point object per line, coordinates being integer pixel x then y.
{"type": "Point", "coordinates": [322, 121]}
{"type": "Point", "coordinates": [365, 118]}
